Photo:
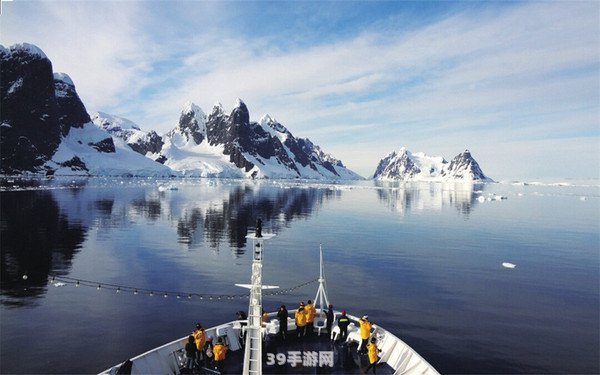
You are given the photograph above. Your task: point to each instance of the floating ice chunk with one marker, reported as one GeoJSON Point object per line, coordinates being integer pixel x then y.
{"type": "Point", "coordinates": [162, 188]}
{"type": "Point", "coordinates": [582, 198]}
{"type": "Point", "coordinates": [508, 265]}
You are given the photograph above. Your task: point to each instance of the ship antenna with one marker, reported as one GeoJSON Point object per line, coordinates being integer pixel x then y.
{"type": "Point", "coordinates": [321, 299]}
{"type": "Point", "coordinates": [253, 347]}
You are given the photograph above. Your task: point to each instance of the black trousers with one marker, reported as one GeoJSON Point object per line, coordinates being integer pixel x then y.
{"type": "Point", "coordinates": [373, 366]}
{"type": "Point", "coordinates": [343, 333]}
{"type": "Point", "coordinates": [283, 329]}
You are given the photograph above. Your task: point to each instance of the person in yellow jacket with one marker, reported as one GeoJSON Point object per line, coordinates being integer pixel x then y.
{"type": "Point", "coordinates": [365, 332]}
{"type": "Point", "coordinates": [219, 353]}
{"type": "Point", "coordinates": [199, 337]}
{"type": "Point", "coordinates": [310, 317]}
{"type": "Point", "coordinates": [373, 355]}
{"type": "Point", "coordinates": [264, 318]}
{"type": "Point", "coordinates": [300, 317]}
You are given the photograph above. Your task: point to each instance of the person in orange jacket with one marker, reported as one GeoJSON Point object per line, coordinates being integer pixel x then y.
{"type": "Point", "coordinates": [373, 355]}
{"type": "Point", "coordinates": [219, 353]}
{"type": "Point", "coordinates": [310, 317]}
{"type": "Point", "coordinates": [365, 332]}
{"type": "Point", "coordinates": [300, 317]}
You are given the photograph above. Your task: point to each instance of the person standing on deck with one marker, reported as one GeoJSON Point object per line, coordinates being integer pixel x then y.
{"type": "Point", "coordinates": [199, 337]}
{"type": "Point", "coordinates": [264, 317]}
{"type": "Point", "coordinates": [300, 317]}
{"type": "Point", "coordinates": [373, 355]}
{"type": "Point", "coordinates": [343, 323]}
{"type": "Point", "coordinates": [330, 317]}
{"type": "Point", "coordinates": [282, 315]}
{"type": "Point", "coordinates": [310, 317]}
{"type": "Point", "coordinates": [365, 332]}
{"type": "Point", "coordinates": [243, 318]}
{"type": "Point", "coordinates": [191, 352]}
{"type": "Point", "coordinates": [208, 351]}
{"type": "Point", "coordinates": [220, 352]}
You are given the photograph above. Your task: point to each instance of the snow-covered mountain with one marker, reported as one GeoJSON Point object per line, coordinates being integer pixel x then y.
{"type": "Point", "coordinates": [186, 149]}
{"type": "Point", "coordinates": [230, 145]}
{"type": "Point", "coordinates": [140, 141]}
{"type": "Point", "coordinates": [46, 128]}
{"type": "Point", "coordinates": [406, 166]}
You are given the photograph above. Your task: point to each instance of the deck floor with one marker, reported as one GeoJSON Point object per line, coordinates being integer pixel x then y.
{"type": "Point", "coordinates": [345, 360]}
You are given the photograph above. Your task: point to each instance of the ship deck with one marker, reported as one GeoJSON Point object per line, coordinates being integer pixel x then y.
{"type": "Point", "coordinates": [286, 357]}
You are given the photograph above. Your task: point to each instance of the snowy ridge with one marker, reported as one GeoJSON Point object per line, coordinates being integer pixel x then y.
{"type": "Point", "coordinates": [145, 143]}
{"type": "Point", "coordinates": [64, 77]}
{"type": "Point", "coordinates": [406, 166]}
{"type": "Point", "coordinates": [92, 151]}
{"type": "Point", "coordinates": [25, 48]}
{"type": "Point", "coordinates": [112, 123]}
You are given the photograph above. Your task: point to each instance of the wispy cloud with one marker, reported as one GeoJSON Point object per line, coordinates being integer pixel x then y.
{"type": "Point", "coordinates": [515, 73]}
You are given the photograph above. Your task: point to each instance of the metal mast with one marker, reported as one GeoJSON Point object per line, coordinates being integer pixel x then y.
{"type": "Point", "coordinates": [253, 350]}
{"type": "Point", "coordinates": [322, 291]}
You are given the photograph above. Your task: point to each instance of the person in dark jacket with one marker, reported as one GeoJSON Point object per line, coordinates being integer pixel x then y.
{"type": "Point", "coordinates": [343, 322]}
{"type": "Point", "coordinates": [190, 352]}
{"type": "Point", "coordinates": [282, 315]}
{"type": "Point", "coordinates": [208, 352]}
{"type": "Point", "coordinates": [330, 317]}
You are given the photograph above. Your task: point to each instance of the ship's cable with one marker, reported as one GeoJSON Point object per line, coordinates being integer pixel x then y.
{"type": "Point", "coordinates": [59, 281]}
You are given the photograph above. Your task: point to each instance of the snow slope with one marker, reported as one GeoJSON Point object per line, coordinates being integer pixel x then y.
{"type": "Point", "coordinates": [123, 161]}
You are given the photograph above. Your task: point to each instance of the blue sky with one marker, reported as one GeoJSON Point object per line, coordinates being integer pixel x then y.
{"type": "Point", "coordinates": [516, 83]}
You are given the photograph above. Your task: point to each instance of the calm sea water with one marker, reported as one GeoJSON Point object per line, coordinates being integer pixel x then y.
{"type": "Point", "coordinates": [422, 260]}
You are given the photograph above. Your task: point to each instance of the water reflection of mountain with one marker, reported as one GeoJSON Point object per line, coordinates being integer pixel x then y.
{"type": "Point", "coordinates": [234, 215]}
{"type": "Point", "coordinates": [42, 230]}
{"type": "Point", "coordinates": [35, 239]}
{"type": "Point", "coordinates": [408, 197]}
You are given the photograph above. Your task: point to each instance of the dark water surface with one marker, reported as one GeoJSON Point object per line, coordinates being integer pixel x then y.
{"type": "Point", "coordinates": [422, 260]}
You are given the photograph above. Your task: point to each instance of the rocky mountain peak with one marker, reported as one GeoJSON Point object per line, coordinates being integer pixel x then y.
{"type": "Point", "coordinates": [240, 114]}
{"type": "Point", "coordinates": [31, 120]}
{"type": "Point", "coordinates": [192, 123]}
{"type": "Point", "coordinates": [406, 166]}
{"type": "Point", "coordinates": [464, 166]}
{"type": "Point", "coordinates": [397, 165]}
{"type": "Point", "coordinates": [267, 120]}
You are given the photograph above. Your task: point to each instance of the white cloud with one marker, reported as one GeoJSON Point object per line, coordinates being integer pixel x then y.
{"type": "Point", "coordinates": [520, 73]}
{"type": "Point", "coordinates": [96, 43]}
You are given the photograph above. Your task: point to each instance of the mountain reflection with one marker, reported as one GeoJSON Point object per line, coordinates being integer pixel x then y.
{"type": "Point", "coordinates": [35, 239]}
{"type": "Point", "coordinates": [235, 215]}
{"type": "Point", "coordinates": [408, 197]}
{"type": "Point", "coordinates": [44, 228]}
